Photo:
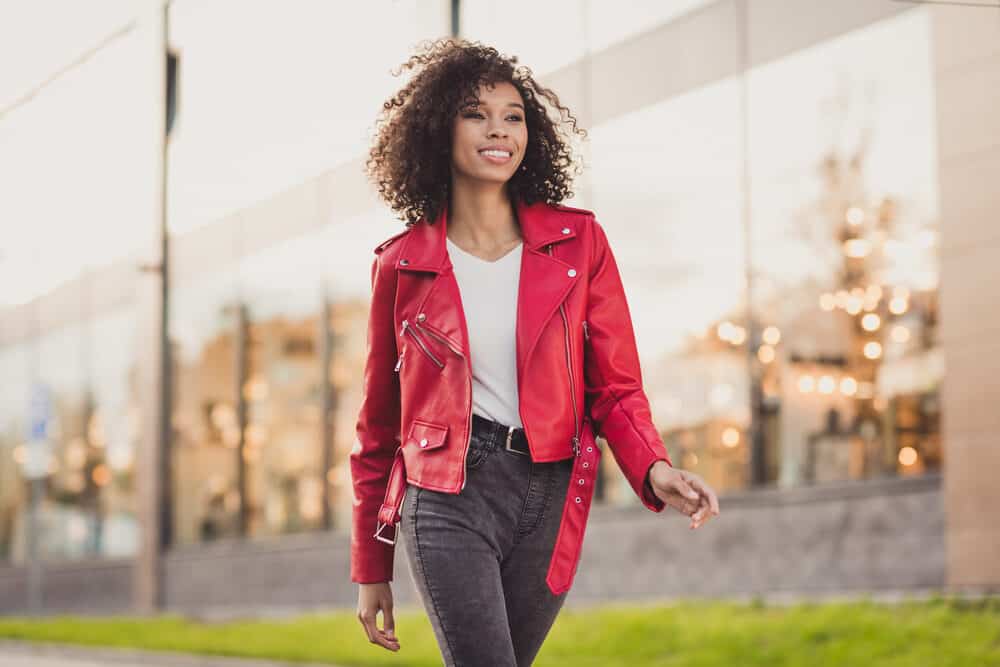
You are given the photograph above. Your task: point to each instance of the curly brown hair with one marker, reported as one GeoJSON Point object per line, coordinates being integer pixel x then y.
{"type": "Point", "coordinates": [410, 160]}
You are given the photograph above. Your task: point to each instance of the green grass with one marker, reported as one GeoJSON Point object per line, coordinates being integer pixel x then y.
{"type": "Point", "coordinates": [940, 632]}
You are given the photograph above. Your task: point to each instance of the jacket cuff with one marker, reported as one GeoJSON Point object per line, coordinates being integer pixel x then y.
{"type": "Point", "coordinates": [371, 563]}
{"type": "Point", "coordinates": [371, 559]}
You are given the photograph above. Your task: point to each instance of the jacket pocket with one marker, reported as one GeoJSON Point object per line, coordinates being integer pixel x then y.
{"type": "Point", "coordinates": [426, 435]}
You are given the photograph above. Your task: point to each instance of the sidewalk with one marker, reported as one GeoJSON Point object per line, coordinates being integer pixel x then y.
{"type": "Point", "coordinates": [28, 654]}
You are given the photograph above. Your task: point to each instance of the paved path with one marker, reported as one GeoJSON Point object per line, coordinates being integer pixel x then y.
{"type": "Point", "coordinates": [26, 654]}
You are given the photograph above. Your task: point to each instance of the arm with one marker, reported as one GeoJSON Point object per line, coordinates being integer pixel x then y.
{"type": "Point", "coordinates": [616, 402]}
{"type": "Point", "coordinates": [377, 432]}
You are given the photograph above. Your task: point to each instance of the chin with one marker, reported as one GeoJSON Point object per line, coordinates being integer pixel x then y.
{"type": "Point", "coordinates": [490, 177]}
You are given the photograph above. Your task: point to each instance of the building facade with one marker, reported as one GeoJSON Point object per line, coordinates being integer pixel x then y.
{"type": "Point", "coordinates": [799, 196]}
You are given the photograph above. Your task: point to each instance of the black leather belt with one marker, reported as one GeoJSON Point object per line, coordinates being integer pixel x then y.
{"type": "Point", "coordinates": [509, 438]}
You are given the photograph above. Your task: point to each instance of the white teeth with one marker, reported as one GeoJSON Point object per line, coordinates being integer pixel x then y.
{"type": "Point", "coordinates": [493, 153]}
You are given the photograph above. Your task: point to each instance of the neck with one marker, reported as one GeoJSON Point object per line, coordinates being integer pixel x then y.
{"type": "Point", "coordinates": [482, 218]}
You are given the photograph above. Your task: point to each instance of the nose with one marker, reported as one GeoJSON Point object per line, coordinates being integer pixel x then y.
{"type": "Point", "coordinates": [497, 132]}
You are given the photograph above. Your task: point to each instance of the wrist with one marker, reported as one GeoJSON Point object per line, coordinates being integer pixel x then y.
{"type": "Point", "coordinates": [653, 469]}
{"type": "Point", "coordinates": [656, 468]}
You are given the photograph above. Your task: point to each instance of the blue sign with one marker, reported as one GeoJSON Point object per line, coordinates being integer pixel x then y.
{"type": "Point", "coordinates": [39, 448]}
{"type": "Point", "coordinates": [39, 413]}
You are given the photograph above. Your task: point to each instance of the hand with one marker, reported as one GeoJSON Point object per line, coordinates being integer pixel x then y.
{"type": "Point", "coordinates": [685, 491]}
{"type": "Point", "coordinates": [371, 599]}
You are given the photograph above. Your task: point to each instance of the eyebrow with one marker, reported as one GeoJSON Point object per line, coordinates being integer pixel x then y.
{"type": "Point", "coordinates": [486, 104]}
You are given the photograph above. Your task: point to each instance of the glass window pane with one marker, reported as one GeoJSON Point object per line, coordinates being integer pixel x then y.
{"type": "Point", "coordinates": [206, 431]}
{"type": "Point", "coordinates": [114, 428]}
{"type": "Point", "coordinates": [669, 200]}
{"type": "Point", "coordinates": [14, 397]}
{"type": "Point", "coordinates": [844, 250]}
{"type": "Point", "coordinates": [283, 453]}
{"type": "Point", "coordinates": [69, 511]}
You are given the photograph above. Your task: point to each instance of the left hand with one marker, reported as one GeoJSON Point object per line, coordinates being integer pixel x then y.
{"type": "Point", "coordinates": [685, 491]}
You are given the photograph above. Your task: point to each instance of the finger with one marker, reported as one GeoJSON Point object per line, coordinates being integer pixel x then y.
{"type": "Point", "coordinates": [701, 521]}
{"type": "Point", "coordinates": [387, 636]}
{"type": "Point", "coordinates": [382, 640]}
{"type": "Point", "coordinates": [685, 489]}
{"type": "Point", "coordinates": [681, 505]}
{"type": "Point", "coordinates": [708, 493]}
{"type": "Point", "coordinates": [389, 622]}
{"type": "Point", "coordinates": [375, 636]}
{"type": "Point", "coordinates": [699, 514]}
{"type": "Point", "coordinates": [385, 642]}
{"type": "Point", "coordinates": [697, 518]}
{"type": "Point", "coordinates": [390, 643]}
{"type": "Point", "coordinates": [367, 621]}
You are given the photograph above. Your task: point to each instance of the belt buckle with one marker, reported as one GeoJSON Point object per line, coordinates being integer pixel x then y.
{"type": "Point", "coordinates": [378, 534]}
{"type": "Point", "coordinates": [510, 433]}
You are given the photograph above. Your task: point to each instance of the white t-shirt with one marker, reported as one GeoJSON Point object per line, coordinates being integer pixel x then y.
{"type": "Point", "coordinates": [489, 298]}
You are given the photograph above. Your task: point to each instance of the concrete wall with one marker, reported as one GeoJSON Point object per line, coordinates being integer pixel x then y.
{"type": "Point", "coordinates": [844, 537]}
{"type": "Point", "coordinates": [967, 76]}
{"type": "Point", "coordinates": [80, 587]}
{"type": "Point", "coordinates": [862, 536]}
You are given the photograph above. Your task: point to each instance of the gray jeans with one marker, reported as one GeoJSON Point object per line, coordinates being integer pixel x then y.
{"type": "Point", "coordinates": [479, 558]}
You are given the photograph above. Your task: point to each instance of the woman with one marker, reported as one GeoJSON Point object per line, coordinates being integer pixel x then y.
{"type": "Point", "coordinates": [499, 343]}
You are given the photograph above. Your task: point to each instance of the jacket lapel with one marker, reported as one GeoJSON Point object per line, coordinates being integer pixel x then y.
{"type": "Point", "coordinates": [545, 280]}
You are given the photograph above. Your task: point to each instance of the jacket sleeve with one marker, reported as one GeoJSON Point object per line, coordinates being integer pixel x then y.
{"type": "Point", "coordinates": [377, 430]}
{"type": "Point", "coordinates": [615, 399]}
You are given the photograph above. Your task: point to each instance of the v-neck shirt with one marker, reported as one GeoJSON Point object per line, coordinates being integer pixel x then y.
{"type": "Point", "coordinates": [489, 300]}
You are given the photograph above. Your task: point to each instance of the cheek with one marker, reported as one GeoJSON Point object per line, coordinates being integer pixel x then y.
{"type": "Point", "coordinates": [523, 142]}
{"type": "Point", "coordinates": [462, 142]}
{"type": "Point", "coordinates": [522, 138]}
{"type": "Point", "coordinates": [463, 136]}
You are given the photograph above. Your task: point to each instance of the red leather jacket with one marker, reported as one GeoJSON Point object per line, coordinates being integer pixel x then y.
{"type": "Point", "coordinates": [577, 368]}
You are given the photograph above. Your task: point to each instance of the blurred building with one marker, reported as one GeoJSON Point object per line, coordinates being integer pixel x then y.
{"type": "Point", "coordinates": [798, 195]}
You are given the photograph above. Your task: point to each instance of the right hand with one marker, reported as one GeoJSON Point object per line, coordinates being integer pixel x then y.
{"type": "Point", "coordinates": [685, 491]}
{"type": "Point", "coordinates": [371, 599]}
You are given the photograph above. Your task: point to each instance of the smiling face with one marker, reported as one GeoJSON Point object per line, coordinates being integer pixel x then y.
{"type": "Point", "coordinates": [488, 139]}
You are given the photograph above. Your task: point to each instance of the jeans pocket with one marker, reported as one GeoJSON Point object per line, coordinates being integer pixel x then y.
{"type": "Point", "coordinates": [479, 451]}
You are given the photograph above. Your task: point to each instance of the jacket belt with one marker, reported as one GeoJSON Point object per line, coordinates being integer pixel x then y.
{"type": "Point", "coordinates": [388, 513]}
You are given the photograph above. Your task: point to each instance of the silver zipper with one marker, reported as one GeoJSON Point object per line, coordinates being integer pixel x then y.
{"type": "Point", "coordinates": [586, 332]}
{"type": "Point", "coordinates": [408, 328]}
{"type": "Point", "coordinates": [448, 344]}
{"type": "Point", "coordinates": [569, 368]}
{"type": "Point", "coordinates": [439, 337]}
{"type": "Point", "coordinates": [468, 441]}
{"type": "Point", "coordinates": [399, 362]}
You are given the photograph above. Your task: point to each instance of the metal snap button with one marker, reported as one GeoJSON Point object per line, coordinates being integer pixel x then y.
{"type": "Point", "coordinates": [421, 317]}
{"type": "Point", "coordinates": [586, 464]}
{"type": "Point", "coordinates": [589, 448]}
{"type": "Point", "coordinates": [565, 230]}
{"type": "Point", "coordinates": [581, 481]}
{"type": "Point", "coordinates": [423, 442]}
{"type": "Point", "coordinates": [571, 273]}
{"type": "Point", "coordinates": [578, 499]}
{"type": "Point", "coordinates": [404, 262]}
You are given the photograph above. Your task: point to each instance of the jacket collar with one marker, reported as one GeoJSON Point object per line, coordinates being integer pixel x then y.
{"type": "Point", "coordinates": [424, 248]}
